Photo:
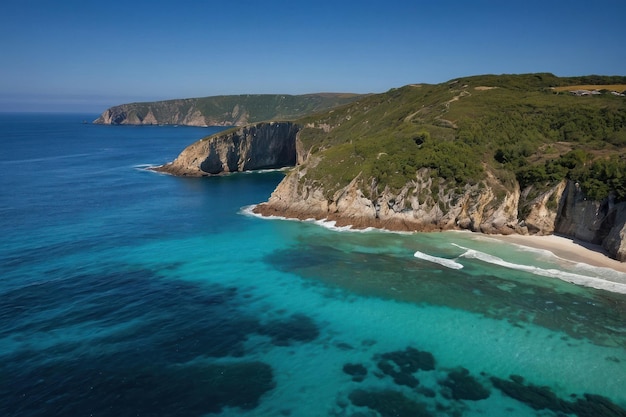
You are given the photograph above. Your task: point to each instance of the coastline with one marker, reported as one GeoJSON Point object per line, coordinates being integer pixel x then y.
{"type": "Point", "coordinates": [608, 274]}
{"type": "Point", "coordinates": [566, 248]}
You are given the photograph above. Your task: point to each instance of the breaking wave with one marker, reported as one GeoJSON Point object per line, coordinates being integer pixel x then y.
{"type": "Point", "coordinates": [574, 278]}
{"type": "Point", "coordinates": [448, 263]}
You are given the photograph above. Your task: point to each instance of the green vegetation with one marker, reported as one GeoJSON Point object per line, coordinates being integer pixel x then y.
{"type": "Point", "coordinates": [237, 109]}
{"type": "Point", "coordinates": [511, 126]}
{"type": "Point", "coordinates": [263, 107]}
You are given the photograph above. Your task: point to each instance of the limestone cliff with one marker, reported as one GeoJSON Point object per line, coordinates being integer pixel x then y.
{"type": "Point", "coordinates": [416, 207]}
{"type": "Point", "coordinates": [173, 112]}
{"type": "Point", "coordinates": [482, 208]}
{"type": "Point", "coordinates": [260, 146]}
{"type": "Point", "coordinates": [541, 212]}
{"type": "Point", "coordinates": [597, 222]}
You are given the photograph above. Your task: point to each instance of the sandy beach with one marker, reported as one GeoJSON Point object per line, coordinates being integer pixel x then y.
{"type": "Point", "coordinates": [568, 249]}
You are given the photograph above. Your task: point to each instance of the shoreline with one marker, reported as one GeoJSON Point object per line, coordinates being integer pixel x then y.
{"type": "Point", "coordinates": [566, 248]}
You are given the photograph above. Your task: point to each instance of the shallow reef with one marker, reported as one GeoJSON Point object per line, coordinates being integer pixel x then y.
{"type": "Point", "coordinates": [453, 393]}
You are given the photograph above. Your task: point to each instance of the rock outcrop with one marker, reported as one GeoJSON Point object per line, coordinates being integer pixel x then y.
{"type": "Point", "coordinates": [565, 210]}
{"type": "Point", "coordinates": [414, 208]}
{"type": "Point", "coordinates": [598, 222]}
{"type": "Point", "coordinates": [542, 211]}
{"type": "Point", "coordinates": [260, 146]}
{"type": "Point", "coordinates": [485, 208]}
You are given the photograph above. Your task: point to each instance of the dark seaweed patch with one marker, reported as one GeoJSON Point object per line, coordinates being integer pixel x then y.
{"type": "Point", "coordinates": [82, 389]}
{"type": "Point", "coordinates": [596, 406]}
{"type": "Point", "coordinates": [389, 403]}
{"type": "Point", "coordinates": [400, 377]}
{"type": "Point", "coordinates": [463, 386]}
{"type": "Point", "coordinates": [537, 397]}
{"type": "Point", "coordinates": [402, 364]}
{"type": "Point", "coordinates": [138, 331]}
{"type": "Point", "coordinates": [411, 360]}
{"type": "Point", "coordinates": [297, 328]}
{"type": "Point", "coordinates": [542, 397]}
{"type": "Point", "coordinates": [460, 385]}
{"type": "Point", "coordinates": [170, 320]}
{"type": "Point", "coordinates": [344, 346]}
{"type": "Point", "coordinates": [356, 370]}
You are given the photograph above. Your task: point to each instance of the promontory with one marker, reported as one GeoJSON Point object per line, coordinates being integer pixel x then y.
{"type": "Point", "coordinates": [501, 154]}
{"type": "Point", "coordinates": [233, 110]}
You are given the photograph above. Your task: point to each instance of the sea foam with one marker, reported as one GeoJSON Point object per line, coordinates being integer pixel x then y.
{"type": "Point", "coordinates": [327, 224]}
{"type": "Point", "coordinates": [574, 278]}
{"type": "Point", "coordinates": [448, 263]}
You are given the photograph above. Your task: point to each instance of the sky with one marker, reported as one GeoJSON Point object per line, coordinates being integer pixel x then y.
{"type": "Point", "coordinates": [85, 56]}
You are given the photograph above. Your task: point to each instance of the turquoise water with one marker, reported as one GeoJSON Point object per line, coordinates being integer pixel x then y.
{"type": "Point", "coordinates": [126, 292]}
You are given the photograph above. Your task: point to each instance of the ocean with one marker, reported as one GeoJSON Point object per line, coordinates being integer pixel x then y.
{"type": "Point", "coordinates": [124, 292]}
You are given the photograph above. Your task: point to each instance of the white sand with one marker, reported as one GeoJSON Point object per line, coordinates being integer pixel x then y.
{"type": "Point", "coordinates": [568, 249]}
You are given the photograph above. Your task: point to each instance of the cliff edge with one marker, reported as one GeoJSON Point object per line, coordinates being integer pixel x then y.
{"type": "Point", "coordinates": [253, 147]}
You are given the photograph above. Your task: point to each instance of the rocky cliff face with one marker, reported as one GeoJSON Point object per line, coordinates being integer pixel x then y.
{"type": "Point", "coordinates": [414, 208]}
{"type": "Point", "coordinates": [565, 210]}
{"type": "Point", "coordinates": [261, 146]}
{"type": "Point", "coordinates": [482, 208]}
{"type": "Point", "coordinates": [173, 112]}
{"type": "Point", "coordinates": [598, 222]}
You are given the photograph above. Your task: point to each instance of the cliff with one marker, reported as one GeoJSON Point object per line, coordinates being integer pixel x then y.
{"type": "Point", "coordinates": [253, 147]}
{"type": "Point", "coordinates": [236, 110]}
{"type": "Point", "coordinates": [421, 205]}
{"type": "Point", "coordinates": [598, 222]}
{"type": "Point", "coordinates": [563, 210]}
{"type": "Point", "coordinates": [173, 112]}
{"type": "Point", "coordinates": [491, 154]}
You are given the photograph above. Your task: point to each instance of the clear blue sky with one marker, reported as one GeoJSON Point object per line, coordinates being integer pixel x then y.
{"type": "Point", "coordinates": [87, 55]}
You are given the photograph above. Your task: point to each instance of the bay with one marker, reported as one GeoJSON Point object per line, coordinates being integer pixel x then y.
{"type": "Point", "coordinates": [126, 292]}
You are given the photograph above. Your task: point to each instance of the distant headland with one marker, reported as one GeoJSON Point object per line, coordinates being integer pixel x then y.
{"type": "Point", "coordinates": [233, 110]}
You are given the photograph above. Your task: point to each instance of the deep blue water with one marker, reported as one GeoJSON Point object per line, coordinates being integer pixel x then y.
{"type": "Point", "coordinates": [129, 293]}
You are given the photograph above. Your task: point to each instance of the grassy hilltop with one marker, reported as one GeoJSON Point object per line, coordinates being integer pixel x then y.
{"type": "Point", "coordinates": [528, 128]}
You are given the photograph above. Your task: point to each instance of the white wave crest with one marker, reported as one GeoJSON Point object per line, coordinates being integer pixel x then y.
{"type": "Point", "coordinates": [332, 225]}
{"type": "Point", "coordinates": [585, 280]}
{"type": "Point", "coordinates": [266, 170]}
{"type": "Point", "coordinates": [327, 224]}
{"type": "Point", "coordinates": [448, 263]}
{"type": "Point", "coordinates": [249, 211]}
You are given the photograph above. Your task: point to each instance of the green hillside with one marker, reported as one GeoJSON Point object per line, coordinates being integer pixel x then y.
{"type": "Point", "coordinates": [225, 110]}
{"type": "Point", "coordinates": [274, 106]}
{"type": "Point", "coordinates": [506, 126]}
